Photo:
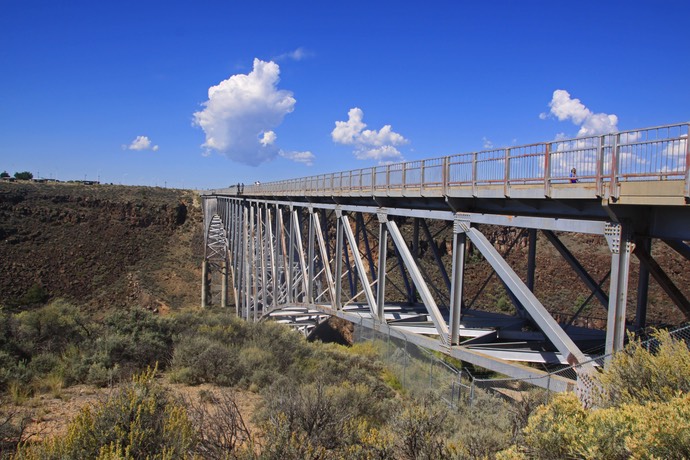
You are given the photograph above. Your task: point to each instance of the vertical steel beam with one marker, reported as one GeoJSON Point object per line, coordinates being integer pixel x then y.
{"type": "Point", "coordinates": [224, 283]}
{"type": "Point", "coordinates": [245, 263]}
{"type": "Point", "coordinates": [204, 282]}
{"type": "Point", "coordinates": [359, 264]}
{"type": "Point", "coordinates": [251, 265]}
{"type": "Point", "coordinates": [418, 280]}
{"type": "Point", "coordinates": [271, 248]}
{"type": "Point", "coordinates": [263, 254]}
{"type": "Point", "coordinates": [456, 294]}
{"type": "Point", "coordinates": [532, 257]}
{"type": "Point", "coordinates": [619, 243]}
{"type": "Point", "coordinates": [642, 286]}
{"type": "Point", "coordinates": [291, 258]}
{"type": "Point", "coordinates": [338, 275]}
{"type": "Point", "coordinates": [310, 257]}
{"type": "Point", "coordinates": [381, 280]}
{"type": "Point", "coordinates": [237, 285]}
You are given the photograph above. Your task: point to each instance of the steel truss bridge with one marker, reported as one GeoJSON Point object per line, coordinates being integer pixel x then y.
{"type": "Point", "coordinates": [347, 244]}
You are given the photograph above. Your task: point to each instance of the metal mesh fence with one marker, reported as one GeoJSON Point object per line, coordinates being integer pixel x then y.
{"type": "Point", "coordinates": [421, 371]}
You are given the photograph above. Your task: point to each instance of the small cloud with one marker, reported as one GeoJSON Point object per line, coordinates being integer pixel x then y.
{"type": "Point", "coordinates": [241, 112]}
{"type": "Point", "coordinates": [296, 55]}
{"type": "Point", "coordinates": [268, 138]}
{"type": "Point", "coordinates": [487, 144]}
{"type": "Point", "coordinates": [564, 108]}
{"type": "Point", "coordinates": [306, 158]}
{"type": "Point", "coordinates": [369, 144]}
{"type": "Point", "coordinates": [141, 143]}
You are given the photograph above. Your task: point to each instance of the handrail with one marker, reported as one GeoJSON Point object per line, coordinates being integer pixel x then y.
{"type": "Point", "coordinates": [655, 153]}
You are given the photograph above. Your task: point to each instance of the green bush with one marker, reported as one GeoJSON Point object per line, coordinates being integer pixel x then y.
{"type": "Point", "coordinates": [50, 328]}
{"type": "Point", "coordinates": [638, 376]}
{"type": "Point", "coordinates": [200, 359]}
{"type": "Point", "coordinates": [422, 428]}
{"type": "Point", "coordinates": [643, 411]}
{"type": "Point", "coordinates": [139, 421]}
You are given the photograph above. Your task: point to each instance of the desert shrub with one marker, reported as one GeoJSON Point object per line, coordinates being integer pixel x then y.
{"type": "Point", "coordinates": [422, 427]}
{"type": "Point", "coordinates": [13, 424]}
{"type": "Point", "coordinates": [200, 359]}
{"type": "Point", "coordinates": [316, 412]}
{"type": "Point", "coordinates": [638, 376]}
{"type": "Point", "coordinates": [220, 427]}
{"type": "Point", "coordinates": [564, 429]}
{"type": "Point", "coordinates": [643, 411]}
{"type": "Point", "coordinates": [139, 421]}
{"type": "Point", "coordinates": [50, 328]}
{"type": "Point", "coordinates": [43, 363]}
{"type": "Point", "coordinates": [7, 363]}
{"type": "Point", "coordinates": [483, 428]}
{"type": "Point", "coordinates": [131, 340]}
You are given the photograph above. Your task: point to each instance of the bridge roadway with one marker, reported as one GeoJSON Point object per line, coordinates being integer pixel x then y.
{"type": "Point", "coordinates": [293, 248]}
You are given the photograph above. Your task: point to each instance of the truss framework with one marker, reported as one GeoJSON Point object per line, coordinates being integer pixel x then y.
{"type": "Point", "coordinates": [286, 261]}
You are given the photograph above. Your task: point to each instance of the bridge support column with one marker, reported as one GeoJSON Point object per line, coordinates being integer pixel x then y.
{"type": "Point", "coordinates": [224, 284]}
{"type": "Point", "coordinates": [532, 257]}
{"type": "Point", "coordinates": [621, 248]}
{"type": "Point", "coordinates": [643, 287]}
{"type": "Point", "coordinates": [381, 280]}
{"type": "Point", "coordinates": [204, 283]}
{"type": "Point", "coordinates": [458, 274]}
{"type": "Point", "coordinates": [338, 276]}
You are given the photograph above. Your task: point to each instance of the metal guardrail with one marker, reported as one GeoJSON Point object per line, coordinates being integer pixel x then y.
{"type": "Point", "coordinates": [659, 153]}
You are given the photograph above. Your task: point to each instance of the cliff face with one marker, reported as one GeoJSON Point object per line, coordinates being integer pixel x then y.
{"type": "Point", "coordinates": [104, 246]}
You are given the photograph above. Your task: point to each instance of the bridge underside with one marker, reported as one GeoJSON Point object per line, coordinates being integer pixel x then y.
{"type": "Point", "coordinates": [402, 271]}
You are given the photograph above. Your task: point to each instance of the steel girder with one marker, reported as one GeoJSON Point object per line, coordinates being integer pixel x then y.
{"type": "Point", "coordinates": [283, 257]}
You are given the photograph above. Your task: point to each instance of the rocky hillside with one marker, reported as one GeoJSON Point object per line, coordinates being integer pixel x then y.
{"type": "Point", "coordinates": [101, 246]}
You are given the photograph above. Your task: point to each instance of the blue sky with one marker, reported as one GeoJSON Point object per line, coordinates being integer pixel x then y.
{"type": "Point", "coordinates": [119, 91]}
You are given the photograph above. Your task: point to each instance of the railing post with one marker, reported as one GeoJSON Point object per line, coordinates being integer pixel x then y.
{"type": "Point", "coordinates": [615, 167]}
{"type": "Point", "coordinates": [445, 174]}
{"type": "Point", "coordinates": [547, 170]}
{"type": "Point", "coordinates": [474, 174]}
{"type": "Point", "coordinates": [506, 174]}
{"type": "Point", "coordinates": [421, 176]}
{"type": "Point", "coordinates": [404, 176]}
{"type": "Point", "coordinates": [687, 164]}
{"type": "Point", "coordinates": [373, 179]}
{"type": "Point", "coordinates": [600, 165]}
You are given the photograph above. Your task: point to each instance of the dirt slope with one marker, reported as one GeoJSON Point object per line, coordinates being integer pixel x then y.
{"type": "Point", "coordinates": [103, 246]}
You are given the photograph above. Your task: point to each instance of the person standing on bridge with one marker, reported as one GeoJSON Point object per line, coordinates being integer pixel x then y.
{"type": "Point", "coordinates": [573, 176]}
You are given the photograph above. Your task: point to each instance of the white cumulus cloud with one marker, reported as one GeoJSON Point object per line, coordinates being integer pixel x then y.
{"type": "Point", "coordinates": [306, 158]}
{"type": "Point", "coordinates": [268, 138]}
{"type": "Point", "coordinates": [369, 144]}
{"type": "Point", "coordinates": [241, 113]}
{"type": "Point", "coordinates": [563, 107]}
{"type": "Point", "coordinates": [141, 143]}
